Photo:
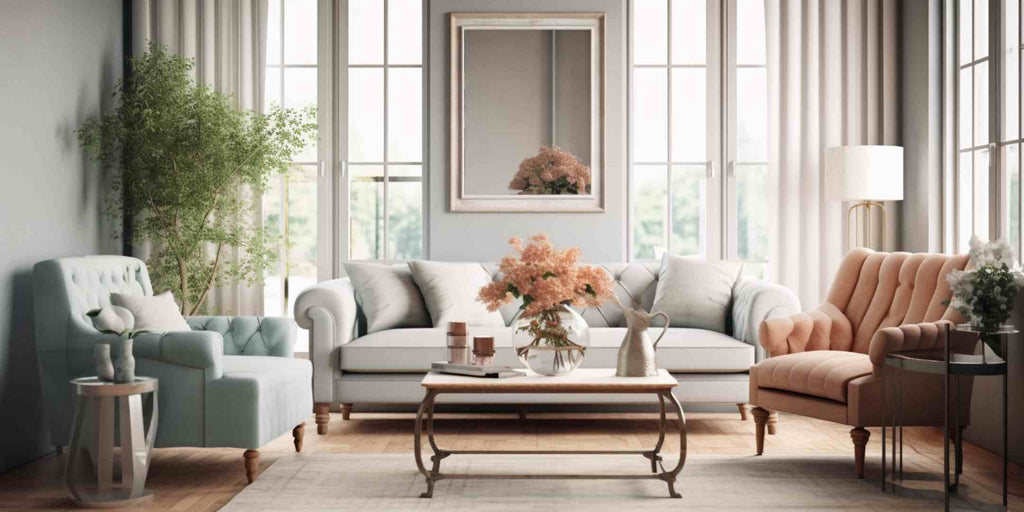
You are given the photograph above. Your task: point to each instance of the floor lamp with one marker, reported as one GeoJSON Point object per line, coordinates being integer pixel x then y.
{"type": "Point", "coordinates": [866, 176]}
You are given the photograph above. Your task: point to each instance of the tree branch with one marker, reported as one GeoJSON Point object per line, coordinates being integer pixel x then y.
{"type": "Point", "coordinates": [209, 282]}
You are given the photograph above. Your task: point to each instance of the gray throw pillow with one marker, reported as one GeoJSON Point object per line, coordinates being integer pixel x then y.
{"type": "Point", "coordinates": [156, 313]}
{"type": "Point", "coordinates": [450, 290]}
{"type": "Point", "coordinates": [694, 292]}
{"type": "Point", "coordinates": [387, 296]}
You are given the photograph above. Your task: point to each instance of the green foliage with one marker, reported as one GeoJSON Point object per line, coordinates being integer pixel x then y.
{"type": "Point", "coordinates": [192, 169]}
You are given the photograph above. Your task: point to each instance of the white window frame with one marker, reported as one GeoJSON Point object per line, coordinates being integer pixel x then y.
{"type": "Point", "coordinates": [333, 186]}
{"type": "Point", "coordinates": [720, 225]}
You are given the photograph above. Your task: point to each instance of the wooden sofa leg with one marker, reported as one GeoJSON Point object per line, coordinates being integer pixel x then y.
{"type": "Point", "coordinates": [323, 416]}
{"type": "Point", "coordinates": [743, 411]}
{"type": "Point", "coordinates": [860, 437]}
{"type": "Point", "coordinates": [346, 411]}
{"type": "Point", "coordinates": [252, 461]}
{"type": "Point", "coordinates": [760, 420]}
{"type": "Point", "coordinates": [298, 433]}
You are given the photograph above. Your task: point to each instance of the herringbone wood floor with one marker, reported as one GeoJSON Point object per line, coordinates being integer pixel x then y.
{"type": "Point", "coordinates": [206, 479]}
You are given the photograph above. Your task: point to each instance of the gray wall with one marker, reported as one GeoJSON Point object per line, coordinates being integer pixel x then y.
{"type": "Point", "coordinates": [58, 67]}
{"type": "Point", "coordinates": [481, 236]}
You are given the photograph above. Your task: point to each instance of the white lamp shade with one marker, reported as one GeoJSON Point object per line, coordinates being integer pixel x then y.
{"type": "Point", "coordinates": [864, 173]}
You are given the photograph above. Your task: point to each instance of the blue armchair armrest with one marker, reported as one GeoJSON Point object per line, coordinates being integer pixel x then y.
{"type": "Point", "coordinates": [250, 335]}
{"type": "Point", "coordinates": [196, 349]}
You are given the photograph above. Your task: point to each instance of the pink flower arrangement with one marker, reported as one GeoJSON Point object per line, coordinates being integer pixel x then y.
{"type": "Point", "coordinates": [546, 279]}
{"type": "Point", "coordinates": [552, 171]}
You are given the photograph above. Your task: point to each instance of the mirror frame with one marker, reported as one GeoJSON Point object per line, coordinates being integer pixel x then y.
{"type": "Point", "coordinates": [458, 201]}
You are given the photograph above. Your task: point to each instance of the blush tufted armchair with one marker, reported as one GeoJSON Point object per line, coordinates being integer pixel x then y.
{"type": "Point", "coordinates": [230, 382]}
{"type": "Point", "coordinates": [828, 363]}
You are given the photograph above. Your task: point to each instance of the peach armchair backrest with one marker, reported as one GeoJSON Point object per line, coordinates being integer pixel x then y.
{"type": "Point", "coordinates": [873, 293]}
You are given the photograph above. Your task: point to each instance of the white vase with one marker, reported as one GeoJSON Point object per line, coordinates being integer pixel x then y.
{"type": "Point", "coordinates": [124, 365]}
{"type": "Point", "coordinates": [104, 367]}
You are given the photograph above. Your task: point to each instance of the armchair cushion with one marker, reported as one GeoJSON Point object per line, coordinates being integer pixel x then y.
{"type": "Point", "coordinates": [250, 335]}
{"type": "Point", "coordinates": [155, 313]}
{"type": "Point", "coordinates": [818, 373]}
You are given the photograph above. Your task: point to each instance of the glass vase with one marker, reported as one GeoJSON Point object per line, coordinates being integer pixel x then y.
{"type": "Point", "coordinates": [552, 342]}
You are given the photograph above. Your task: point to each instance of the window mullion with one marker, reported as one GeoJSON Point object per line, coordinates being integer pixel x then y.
{"type": "Point", "coordinates": [387, 185]}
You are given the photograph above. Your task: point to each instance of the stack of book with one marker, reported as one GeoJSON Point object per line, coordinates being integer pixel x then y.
{"type": "Point", "coordinates": [485, 371]}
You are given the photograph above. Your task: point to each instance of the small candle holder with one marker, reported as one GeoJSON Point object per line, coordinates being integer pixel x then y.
{"type": "Point", "coordinates": [458, 345]}
{"type": "Point", "coordinates": [483, 350]}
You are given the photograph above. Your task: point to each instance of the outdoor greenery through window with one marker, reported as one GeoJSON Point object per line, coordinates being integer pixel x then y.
{"type": "Point", "coordinates": [290, 204]}
{"type": "Point", "coordinates": [385, 130]}
{"type": "Point", "coordinates": [681, 200]}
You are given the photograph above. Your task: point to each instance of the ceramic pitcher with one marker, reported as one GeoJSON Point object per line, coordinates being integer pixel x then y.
{"type": "Point", "coordinates": [636, 354]}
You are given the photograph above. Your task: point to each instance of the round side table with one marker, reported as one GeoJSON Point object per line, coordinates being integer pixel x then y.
{"type": "Point", "coordinates": [92, 442]}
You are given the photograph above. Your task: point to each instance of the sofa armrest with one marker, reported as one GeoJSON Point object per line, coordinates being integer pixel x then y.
{"type": "Point", "coordinates": [202, 350]}
{"type": "Point", "coordinates": [328, 311]}
{"type": "Point", "coordinates": [251, 335]}
{"type": "Point", "coordinates": [923, 336]}
{"type": "Point", "coordinates": [753, 302]}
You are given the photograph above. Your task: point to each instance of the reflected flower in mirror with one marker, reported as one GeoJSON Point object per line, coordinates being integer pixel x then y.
{"type": "Point", "coordinates": [552, 171]}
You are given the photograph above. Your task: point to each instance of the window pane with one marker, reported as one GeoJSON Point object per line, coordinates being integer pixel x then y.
{"type": "Point", "coordinates": [1009, 119]}
{"type": "Point", "coordinates": [966, 121]}
{"type": "Point", "coordinates": [689, 207]}
{"type": "Point", "coordinates": [272, 88]}
{"type": "Point", "coordinates": [650, 115]}
{"type": "Point", "coordinates": [301, 245]}
{"type": "Point", "coordinates": [366, 212]}
{"type": "Point", "coordinates": [752, 212]}
{"type": "Point", "coordinates": [689, 115]}
{"type": "Point", "coordinates": [365, 115]}
{"type": "Point", "coordinates": [752, 115]}
{"type": "Point", "coordinates": [650, 186]}
{"type": "Point", "coordinates": [300, 32]}
{"type": "Point", "coordinates": [965, 32]}
{"type": "Point", "coordinates": [365, 32]}
{"type": "Point", "coordinates": [405, 216]}
{"type": "Point", "coordinates": [1011, 165]}
{"type": "Point", "coordinates": [650, 32]}
{"type": "Point", "coordinates": [981, 104]}
{"type": "Point", "coordinates": [981, 196]}
{"type": "Point", "coordinates": [273, 212]}
{"type": "Point", "coordinates": [965, 182]}
{"type": "Point", "coordinates": [274, 32]}
{"type": "Point", "coordinates": [689, 31]}
{"type": "Point", "coordinates": [405, 114]}
{"type": "Point", "coordinates": [300, 92]}
{"type": "Point", "coordinates": [980, 29]}
{"type": "Point", "coordinates": [405, 29]}
{"type": "Point", "coordinates": [750, 32]}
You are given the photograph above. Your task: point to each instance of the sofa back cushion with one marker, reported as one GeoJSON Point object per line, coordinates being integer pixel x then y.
{"type": "Point", "coordinates": [875, 290]}
{"type": "Point", "coordinates": [388, 296]}
{"type": "Point", "coordinates": [695, 292]}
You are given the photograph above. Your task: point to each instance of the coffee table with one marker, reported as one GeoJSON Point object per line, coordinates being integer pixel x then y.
{"type": "Point", "coordinates": [580, 381]}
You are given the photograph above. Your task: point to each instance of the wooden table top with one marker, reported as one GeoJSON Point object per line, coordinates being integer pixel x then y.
{"type": "Point", "coordinates": [93, 386]}
{"type": "Point", "coordinates": [595, 380]}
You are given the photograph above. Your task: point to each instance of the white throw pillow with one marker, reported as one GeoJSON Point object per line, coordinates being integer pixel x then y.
{"type": "Point", "coordinates": [694, 292]}
{"type": "Point", "coordinates": [450, 290]}
{"type": "Point", "coordinates": [157, 313]}
{"type": "Point", "coordinates": [388, 296]}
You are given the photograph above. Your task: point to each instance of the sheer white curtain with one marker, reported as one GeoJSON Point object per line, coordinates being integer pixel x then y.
{"type": "Point", "coordinates": [227, 38]}
{"type": "Point", "coordinates": [832, 80]}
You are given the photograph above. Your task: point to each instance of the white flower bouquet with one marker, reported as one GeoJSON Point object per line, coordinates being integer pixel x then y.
{"type": "Point", "coordinates": [985, 293]}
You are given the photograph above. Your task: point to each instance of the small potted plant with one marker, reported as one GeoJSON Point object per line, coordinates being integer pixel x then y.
{"type": "Point", "coordinates": [985, 293]}
{"type": "Point", "coordinates": [119, 321]}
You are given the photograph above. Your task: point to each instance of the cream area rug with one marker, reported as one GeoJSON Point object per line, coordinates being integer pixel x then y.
{"type": "Point", "coordinates": [369, 482]}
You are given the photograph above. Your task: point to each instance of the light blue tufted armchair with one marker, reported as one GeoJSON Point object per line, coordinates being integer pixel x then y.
{"type": "Point", "coordinates": [230, 382]}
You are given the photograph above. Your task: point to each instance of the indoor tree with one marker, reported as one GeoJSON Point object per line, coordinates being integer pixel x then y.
{"type": "Point", "coordinates": [191, 171]}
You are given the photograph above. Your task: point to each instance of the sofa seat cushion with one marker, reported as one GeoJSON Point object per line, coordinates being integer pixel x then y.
{"type": "Point", "coordinates": [819, 373]}
{"type": "Point", "coordinates": [682, 350]}
{"type": "Point", "coordinates": [258, 399]}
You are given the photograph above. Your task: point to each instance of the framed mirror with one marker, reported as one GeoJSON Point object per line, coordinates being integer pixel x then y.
{"type": "Point", "coordinates": [527, 112]}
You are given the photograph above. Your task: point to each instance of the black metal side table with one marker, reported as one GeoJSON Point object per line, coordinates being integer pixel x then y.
{"type": "Point", "coordinates": [942, 361]}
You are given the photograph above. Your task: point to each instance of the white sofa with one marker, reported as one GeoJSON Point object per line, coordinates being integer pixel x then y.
{"type": "Point", "coordinates": [385, 367]}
